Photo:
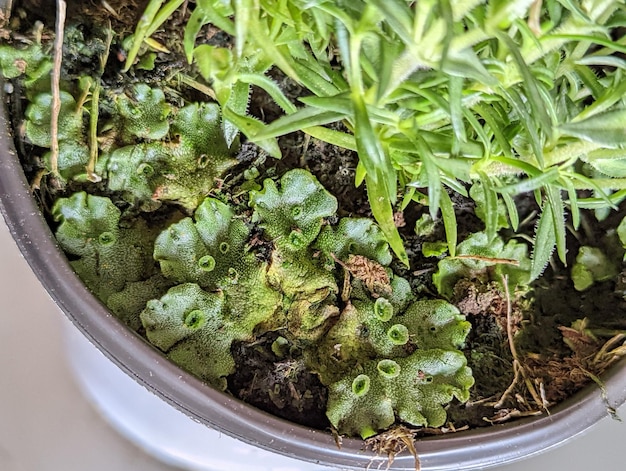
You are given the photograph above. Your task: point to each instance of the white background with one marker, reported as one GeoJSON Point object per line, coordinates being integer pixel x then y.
{"type": "Point", "coordinates": [47, 425]}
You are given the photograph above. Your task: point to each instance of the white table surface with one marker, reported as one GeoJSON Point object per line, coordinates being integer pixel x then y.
{"type": "Point", "coordinates": [47, 425]}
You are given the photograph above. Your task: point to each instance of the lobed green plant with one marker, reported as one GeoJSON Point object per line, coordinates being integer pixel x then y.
{"type": "Point", "coordinates": [489, 100]}
{"type": "Point", "coordinates": [592, 265]}
{"type": "Point", "coordinates": [158, 152]}
{"type": "Point", "coordinates": [31, 61]}
{"type": "Point", "coordinates": [521, 96]}
{"type": "Point", "coordinates": [211, 290]}
{"type": "Point", "coordinates": [296, 293]}
{"type": "Point", "coordinates": [113, 258]}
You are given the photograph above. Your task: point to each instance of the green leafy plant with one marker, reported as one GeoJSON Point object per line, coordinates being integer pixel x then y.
{"type": "Point", "coordinates": [161, 153]}
{"type": "Point", "coordinates": [592, 265]}
{"type": "Point", "coordinates": [113, 259]}
{"type": "Point", "coordinates": [438, 95]}
{"type": "Point", "coordinates": [474, 103]}
{"type": "Point", "coordinates": [218, 292]}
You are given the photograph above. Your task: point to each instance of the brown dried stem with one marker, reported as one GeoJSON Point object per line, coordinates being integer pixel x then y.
{"type": "Point", "coordinates": [517, 364]}
{"type": "Point", "coordinates": [56, 86]}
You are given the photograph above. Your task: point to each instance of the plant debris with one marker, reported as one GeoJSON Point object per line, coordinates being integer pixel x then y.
{"type": "Point", "coordinates": [393, 442]}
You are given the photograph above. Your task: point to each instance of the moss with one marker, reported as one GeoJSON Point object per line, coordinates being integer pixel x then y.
{"type": "Point", "coordinates": [210, 250]}
{"type": "Point", "coordinates": [182, 169]}
{"type": "Point", "coordinates": [30, 61]}
{"type": "Point", "coordinates": [38, 117]}
{"type": "Point", "coordinates": [159, 153]}
{"type": "Point", "coordinates": [369, 343]}
{"type": "Point", "coordinates": [412, 389]}
{"type": "Point", "coordinates": [109, 255]}
{"type": "Point", "coordinates": [128, 303]}
{"type": "Point", "coordinates": [207, 249]}
{"type": "Point", "coordinates": [591, 266]}
{"type": "Point", "coordinates": [144, 113]}
{"type": "Point", "coordinates": [73, 151]}
{"type": "Point", "coordinates": [190, 325]}
{"type": "Point", "coordinates": [478, 257]}
{"type": "Point", "coordinates": [292, 216]}
{"type": "Point", "coordinates": [354, 236]}
{"type": "Point", "coordinates": [198, 285]}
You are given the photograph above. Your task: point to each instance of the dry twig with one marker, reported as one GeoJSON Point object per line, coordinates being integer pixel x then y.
{"type": "Point", "coordinates": [516, 360]}
{"type": "Point", "coordinates": [56, 86]}
{"type": "Point", "coordinates": [480, 258]}
{"type": "Point", "coordinates": [392, 442]}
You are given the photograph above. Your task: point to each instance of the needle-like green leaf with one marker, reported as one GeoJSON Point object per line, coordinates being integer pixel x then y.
{"type": "Point", "coordinates": [449, 222]}
{"type": "Point", "coordinates": [303, 118]}
{"type": "Point", "coordinates": [544, 242]}
{"type": "Point", "coordinates": [143, 25]}
{"type": "Point", "coordinates": [532, 183]}
{"type": "Point", "coordinates": [371, 152]}
{"type": "Point", "coordinates": [251, 127]}
{"type": "Point", "coordinates": [607, 128]}
{"type": "Point", "coordinates": [383, 213]}
{"type": "Point", "coordinates": [555, 202]}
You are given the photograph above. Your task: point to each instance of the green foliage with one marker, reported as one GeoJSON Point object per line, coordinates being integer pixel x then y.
{"type": "Point", "coordinates": [182, 170]}
{"type": "Point", "coordinates": [206, 250]}
{"type": "Point", "coordinates": [166, 154]}
{"type": "Point", "coordinates": [191, 326]}
{"type": "Point", "coordinates": [110, 256]}
{"type": "Point", "coordinates": [31, 61]}
{"type": "Point", "coordinates": [412, 389]}
{"type": "Point", "coordinates": [489, 208]}
{"type": "Point", "coordinates": [439, 96]}
{"type": "Point", "coordinates": [479, 258]}
{"type": "Point", "coordinates": [425, 225]}
{"type": "Point", "coordinates": [621, 232]}
{"type": "Point", "coordinates": [73, 152]}
{"type": "Point", "coordinates": [208, 254]}
{"type": "Point", "coordinates": [434, 249]}
{"type": "Point", "coordinates": [394, 347]}
{"type": "Point", "coordinates": [38, 116]}
{"type": "Point", "coordinates": [128, 303]}
{"type": "Point", "coordinates": [294, 273]}
{"type": "Point", "coordinates": [223, 293]}
{"type": "Point", "coordinates": [211, 252]}
{"type": "Point", "coordinates": [592, 265]}
{"type": "Point", "coordinates": [354, 236]}
{"type": "Point", "coordinates": [144, 114]}
{"type": "Point", "coordinates": [372, 328]}
{"type": "Point", "coordinates": [434, 323]}
{"type": "Point", "coordinates": [292, 216]}
{"type": "Point", "coordinates": [87, 223]}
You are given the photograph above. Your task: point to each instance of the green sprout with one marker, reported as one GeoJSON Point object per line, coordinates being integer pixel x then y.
{"type": "Point", "coordinates": [592, 265]}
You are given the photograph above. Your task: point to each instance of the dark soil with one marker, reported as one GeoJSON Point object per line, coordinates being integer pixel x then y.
{"type": "Point", "coordinates": [279, 385]}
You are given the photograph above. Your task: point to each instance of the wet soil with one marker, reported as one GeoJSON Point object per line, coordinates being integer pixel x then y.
{"type": "Point", "coordinates": [277, 384]}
